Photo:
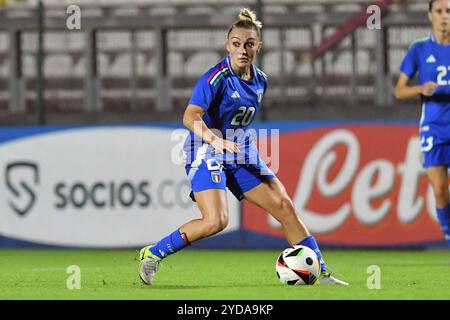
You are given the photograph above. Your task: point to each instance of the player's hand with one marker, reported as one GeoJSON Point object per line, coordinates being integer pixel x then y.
{"type": "Point", "coordinates": [221, 146]}
{"type": "Point", "coordinates": [429, 88]}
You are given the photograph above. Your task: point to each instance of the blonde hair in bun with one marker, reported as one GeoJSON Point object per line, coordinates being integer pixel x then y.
{"type": "Point", "coordinates": [247, 19]}
{"type": "Point", "coordinates": [247, 15]}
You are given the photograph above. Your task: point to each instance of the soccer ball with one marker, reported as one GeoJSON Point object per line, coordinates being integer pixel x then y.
{"type": "Point", "coordinates": [298, 266]}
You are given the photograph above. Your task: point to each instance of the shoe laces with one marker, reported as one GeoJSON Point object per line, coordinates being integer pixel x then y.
{"type": "Point", "coordinates": [328, 272]}
{"type": "Point", "coordinates": [153, 263]}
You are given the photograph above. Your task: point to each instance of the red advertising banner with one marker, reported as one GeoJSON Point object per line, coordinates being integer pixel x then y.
{"type": "Point", "coordinates": [355, 185]}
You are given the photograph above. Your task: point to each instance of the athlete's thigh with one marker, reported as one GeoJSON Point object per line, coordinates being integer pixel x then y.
{"type": "Point", "coordinates": [208, 183]}
{"type": "Point", "coordinates": [268, 195]}
{"type": "Point", "coordinates": [212, 204]}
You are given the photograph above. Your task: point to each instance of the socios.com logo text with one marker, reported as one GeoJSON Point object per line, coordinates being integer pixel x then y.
{"type": "Point", "coordinates": [102, 194]}
{"type": "Point", "coordinates": [22, 179]}
{"type": "Point", "coordinates": [166, 194]}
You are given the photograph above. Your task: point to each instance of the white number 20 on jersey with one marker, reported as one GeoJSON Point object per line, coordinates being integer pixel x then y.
{"type": "Point", "coordinates": [442, 74]}
{"type": "Point", "coordinates": [243, 116]}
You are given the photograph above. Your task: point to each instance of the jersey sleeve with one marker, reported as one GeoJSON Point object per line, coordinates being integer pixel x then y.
{"type": "Point", "coordinates": [204, 93]}
{"type": "Point", "coordinates": [410, 63]}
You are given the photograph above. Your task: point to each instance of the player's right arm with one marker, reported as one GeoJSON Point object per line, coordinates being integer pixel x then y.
{"type": "Point", "coordinates": [193, 120]}
{"type": "Point", "coordinates": [404, 91]}
{"type": "Point", "coordinates": [408, 68]}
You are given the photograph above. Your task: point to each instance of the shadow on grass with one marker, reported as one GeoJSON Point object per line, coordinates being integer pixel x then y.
{"type": "Point", "coordinates": [206, 286]}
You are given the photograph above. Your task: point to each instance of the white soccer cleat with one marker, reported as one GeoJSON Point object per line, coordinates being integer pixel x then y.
{"type": "Point", "coordinates": [328, 280]}
{"type": "Point", "coordinates": [148, 265]}
{"type": "Point", "coordinates": [147, 270]}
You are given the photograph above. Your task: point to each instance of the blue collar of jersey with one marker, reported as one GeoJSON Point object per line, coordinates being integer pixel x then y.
{"type": "Point", "coordinates": [232, 72]}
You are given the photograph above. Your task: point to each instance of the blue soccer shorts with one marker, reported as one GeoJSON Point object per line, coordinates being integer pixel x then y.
{"type": "Point", "coordinates": [207, 174]}
{"type": "Point", "coordinates": [438, 155]}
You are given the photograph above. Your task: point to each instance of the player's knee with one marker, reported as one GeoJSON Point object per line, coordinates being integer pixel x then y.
{"type": "Point", "coordinates": [213, 226]}
{"type": "Point", "coordinates": [285, 212]}
{"type": "Point", "coordinates": [441, 192]}
{"type": "Point", "coordinates": [285, 207]}
{"type": "Point", "coordinates": [222, 223]}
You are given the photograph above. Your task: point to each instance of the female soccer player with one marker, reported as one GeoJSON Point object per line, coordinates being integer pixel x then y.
{"type": "Point", "coordinates": [431, 58]}
{"type": "Point", "coordinates": [224, 100]}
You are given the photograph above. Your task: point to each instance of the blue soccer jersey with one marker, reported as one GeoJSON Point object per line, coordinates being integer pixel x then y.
{"type": "Point", "coordinates": [230, 105]}
{"type": "Point", "coordinates": [432, 61]}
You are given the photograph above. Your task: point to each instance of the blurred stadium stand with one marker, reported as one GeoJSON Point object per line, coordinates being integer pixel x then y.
{"type": "Point", "coordinates": [138, 60]}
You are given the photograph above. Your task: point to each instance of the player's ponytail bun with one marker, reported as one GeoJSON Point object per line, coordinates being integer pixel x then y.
{"type": "Point", "coordinates": [248, 15]}
{"type": "Point", "coordinates": [247, 19]}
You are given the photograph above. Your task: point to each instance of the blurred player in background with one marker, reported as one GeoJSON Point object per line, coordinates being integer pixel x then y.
{"type": "Point", "coordinates": [430, 57]}
{"type": "Point", "coordinates": [227, 97]}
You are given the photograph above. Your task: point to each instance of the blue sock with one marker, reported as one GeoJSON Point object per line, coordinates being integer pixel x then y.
{"type": "Point", "coordinates": [311, 243]}
{"type": "Point", "coordinates": [170, 244]}
{"type": "Point", "coordinates": [443, 215]}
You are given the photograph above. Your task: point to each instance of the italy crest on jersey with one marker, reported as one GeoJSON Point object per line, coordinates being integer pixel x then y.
{"type": "Point", "coordinates": [215, 177]}
{"type": "Point", "coordinates": [260, 93]}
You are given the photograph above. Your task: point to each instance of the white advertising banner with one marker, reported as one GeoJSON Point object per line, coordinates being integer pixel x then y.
{"type": "Point", "coordinates": [96, 187]}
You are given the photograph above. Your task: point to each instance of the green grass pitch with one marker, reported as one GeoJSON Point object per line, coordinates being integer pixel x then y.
{"type": "Point", "coordinates": [218, 275]}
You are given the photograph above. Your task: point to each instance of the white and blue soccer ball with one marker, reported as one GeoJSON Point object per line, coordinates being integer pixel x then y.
{"type": "Point", "coordinates": [298, 266]}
